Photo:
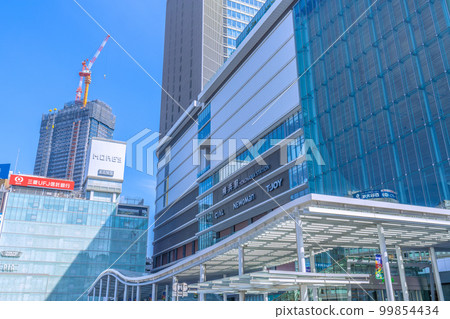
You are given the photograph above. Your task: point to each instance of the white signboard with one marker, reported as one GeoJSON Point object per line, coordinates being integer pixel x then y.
{"type": "Point", "coordinates": [180, 290]}
{"type": "Point", "coordinates": [106, 159]}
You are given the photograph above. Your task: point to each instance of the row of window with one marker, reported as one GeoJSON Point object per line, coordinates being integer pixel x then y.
{"type": "Point", "coordinates": [61, 217]}
{"type": "Point", "coordinates": [239, 16]}
{"type": "Point", "coordinates": [289, 126]}
{"type": "Point", "coordinates": [49, 203]}
{"type": "Point", "coordinates": [245, 8]}
{"type": "Point", "coordinates": [175, 254]}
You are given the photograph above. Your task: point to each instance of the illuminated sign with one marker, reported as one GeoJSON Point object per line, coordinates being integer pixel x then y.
{"type": "Point", "coordinates": [41, 182]}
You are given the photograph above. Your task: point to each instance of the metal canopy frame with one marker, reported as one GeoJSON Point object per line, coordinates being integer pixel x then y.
{"type": "Point", "coordinates": [274, 281]}
{"type": "Point", "coordinates": [326, 222]}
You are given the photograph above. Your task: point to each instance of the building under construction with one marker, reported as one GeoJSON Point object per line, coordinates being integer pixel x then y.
{"type": "Point", "coordinates": [64, 138]}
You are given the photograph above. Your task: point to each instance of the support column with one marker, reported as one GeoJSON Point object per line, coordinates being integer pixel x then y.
{"type": "Point", "coordinates": [107, 288]}
{"type": "Point", "coordinates": [241, 260]}
{"type": "Point", "coordinates": [167, 292]}
{"type": "Point", "coordinates": [437, 278]}
{"type": "Point", "coordinates": [349, 287]}
{"type": "Point", "coordinates": [224, 295]}
{"type": "Point", "coordinates": [301, 254]}
{"type": "Point", "coordinates": [116, 286]}
{"type": "Point", "coordinates": [138, 293]}
{"type": "Point", "coordinates": [125, 290]}
{"type": "Point", "coordinates": [174, 282]}
{"type": "Point", "coordinates": [386, 267]}
{"type": "Point", "coordinates": [154, 292]}
{"type": "Point", "coordinates": [100, 290]}
{"type": "Point", "coordinates": [401, 271]}
{"type": "Point", "coordinates": [201, 295]}
{"type": "Point", "coordinates": [312, 264]}
{"type": "Point", "coordinates": [266, 296]}
{"type": "Point", "coordinates": [432, 288]}
{"type": "Point", "coordinates": [241, 267]}
{"type": "Point", "coordinates": [93, 294]}
{"type": "Point", "coordinates": [132, 293]}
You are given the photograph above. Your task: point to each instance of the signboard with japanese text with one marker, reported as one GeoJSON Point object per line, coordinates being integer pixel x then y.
{"type": "Point", "coordinates": [41, 182]}
{"type": "Point", "coordinates": [376, 194]}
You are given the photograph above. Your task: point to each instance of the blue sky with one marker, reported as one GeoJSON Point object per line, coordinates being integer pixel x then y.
{"type": "Point", "coordinates": [42, 44]}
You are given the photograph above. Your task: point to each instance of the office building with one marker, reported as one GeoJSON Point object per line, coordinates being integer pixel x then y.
{"type": "Point", "coordinates": [199, 37]}
{"type": "Point", "coordinates": [322, 146]}
{"type": "Point", "coordinates": [54, 244]}
{"type": "Point", "coordinates": [64, 138]}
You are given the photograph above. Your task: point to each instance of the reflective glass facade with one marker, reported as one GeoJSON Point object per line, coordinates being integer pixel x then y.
{"type": "Point", "coordinates": [377, 102]}
{"type": "Point", "coordinates": [64, 244]}
{"type": "Point", "coordinates": [238, 14]}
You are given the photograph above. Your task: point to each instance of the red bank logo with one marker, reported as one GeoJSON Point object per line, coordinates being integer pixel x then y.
{"type": "Point", "coordinates": [18, 179]}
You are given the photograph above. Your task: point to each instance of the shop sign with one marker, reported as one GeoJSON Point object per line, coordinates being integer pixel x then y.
{"type": "Point", "coordinates": [273, 186]}
{"type": "Point", "coordinates": [228, 188]}
{"type": "Point", "coordinates": [8, 267]}
{"type": "Point", "coordinates": [244, 201]}
{"type": "Point", "coordinates": [219, 214]}
{"type": "Point", "coordinates": [11, 253]}
{"type": "Point", "coordinates": [383, 193]}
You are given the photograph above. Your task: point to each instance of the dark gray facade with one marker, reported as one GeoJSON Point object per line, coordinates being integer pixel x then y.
{"type": "Point", "coordinates": [64, 138]}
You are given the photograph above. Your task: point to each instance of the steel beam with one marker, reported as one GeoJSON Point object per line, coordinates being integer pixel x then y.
{"type": "Point", "coordinates": [437, 278]}
{"type": "Point", "coordinates": [301, 254]}
{"type": "Point", "coordinates": [107, 288]}
{"type": "Point", "coordinates": [154, 292]}
{"type": "Point", "coordinates": [125, 290]}
{"type": "Point", "coordinates": [100, 290]}
{"type": "Point", "coordinates": [138, 293]}
{"type": "Point", "coordinates": [312, 263]}
{"type": "Point", "coordinates": [349, 287]}
{"type": "Point", "coordinates": [386, 267]}
{"type": "Point", "coordinates": [116, 286]}
{"type": "Point", "coordinates": [174, 282]}
{"type": "Point", "coordinates": [401, 271]}
{"type": "Point", "coordinates": [241, 260]}
{"type": "Point", "coordinates": [202, 279]}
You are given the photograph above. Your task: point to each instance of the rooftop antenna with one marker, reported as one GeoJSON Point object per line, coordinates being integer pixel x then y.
{"type": "Point", "coordinates": [17, 160]}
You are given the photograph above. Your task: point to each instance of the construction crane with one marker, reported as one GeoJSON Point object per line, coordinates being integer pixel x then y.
{"type": "Point", "coordinates": [86, 74]}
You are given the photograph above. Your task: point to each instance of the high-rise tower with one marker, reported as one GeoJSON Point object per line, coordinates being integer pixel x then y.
{"type": "Point", "coordinates": [64, 137]}
{"type": "Point", "coordinates": [199, 36]}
